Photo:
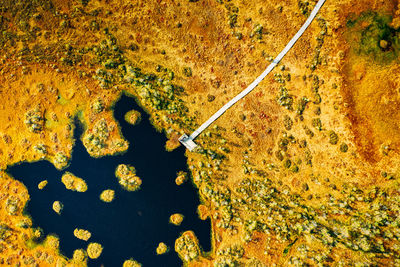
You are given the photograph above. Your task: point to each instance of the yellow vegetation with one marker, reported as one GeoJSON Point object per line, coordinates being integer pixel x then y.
{"type": "Point", "coordinates": [53, 242]}
{"type": "Point", "coordinates": [57, 206]}
{"type": "Point", "coordinates": [187, 246]}
{"type": "Point", "coordinates": [181, 178]}
{"type": "Point", "coordinates": [79, 256]}
{"type": "Point", "coordinates": [42, 184]}
{"type": "Point", "coordinates": [176, 219]}
{"type": "Point", "coordinates": [127, 177]}
{"type": "Point", "coordinates": [94, 250]}
{"type": "Point", "coordinates": [290, 174]}
{"type": "Point", "coordinates": [107, 195]}
{"type": "Point", "coordinates": [82, 234]}
{"type": "Point", "coordinates": [74, 183]}
{"type": "Point", "coordinates": [162, 248]}
{"type": "Point", "coordinates": [131, 263]}
{"type": "Point", "coordinates": [133, 117]}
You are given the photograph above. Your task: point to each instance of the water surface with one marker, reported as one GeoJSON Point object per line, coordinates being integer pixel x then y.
{"type": "Point", "coordinates": [135, 222]}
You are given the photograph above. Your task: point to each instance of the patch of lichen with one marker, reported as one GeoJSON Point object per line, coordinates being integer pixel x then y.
{"type": "Point", "coordinates": [372, 35]}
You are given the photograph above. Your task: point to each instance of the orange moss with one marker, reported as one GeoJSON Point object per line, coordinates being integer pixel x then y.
{"type": "Point", "coordinates": [356, 99]}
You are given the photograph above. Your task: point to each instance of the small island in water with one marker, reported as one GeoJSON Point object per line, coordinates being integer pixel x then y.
{"type": "Point", "coordinates": [123, 216]}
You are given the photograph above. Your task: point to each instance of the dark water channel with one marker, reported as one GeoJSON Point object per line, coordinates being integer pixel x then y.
{"type": "Point", "coordinates": [135, 222]}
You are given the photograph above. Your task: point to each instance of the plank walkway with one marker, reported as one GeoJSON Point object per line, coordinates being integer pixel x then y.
{"type": "Point", "coordinates": [188, 142]}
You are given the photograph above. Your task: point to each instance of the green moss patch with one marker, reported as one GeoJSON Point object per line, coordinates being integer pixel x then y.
{"type": "Point", "coordinates": [372, 35]}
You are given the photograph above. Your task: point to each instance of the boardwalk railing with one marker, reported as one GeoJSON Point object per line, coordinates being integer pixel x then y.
{"type": "Point", "coordinates": [188, 142]}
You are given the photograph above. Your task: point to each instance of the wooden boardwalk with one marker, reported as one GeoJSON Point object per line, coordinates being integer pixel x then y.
{"type": "Point", "coordinates": [188, 141]}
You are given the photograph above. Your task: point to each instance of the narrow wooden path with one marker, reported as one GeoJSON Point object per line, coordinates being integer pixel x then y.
{"type": "Point", "coordinates": [188, 142]}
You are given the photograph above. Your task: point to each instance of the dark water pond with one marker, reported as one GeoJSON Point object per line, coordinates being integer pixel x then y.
{"type": "Point", "coordinates": [135, 222]}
